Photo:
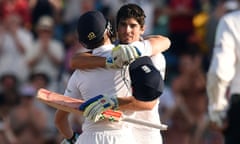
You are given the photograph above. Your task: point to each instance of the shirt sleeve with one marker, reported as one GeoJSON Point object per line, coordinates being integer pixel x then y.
{"type": "Point", "coordinates": [160, 63]}
{"type": "Point", "coordinates": [144, 47]}
{"type": "Point", "coordinates": [72, 89]}
{"type": "Point", "coordinates": [222, 67]}
{"type": "Point", "coordinates": [224, 53]}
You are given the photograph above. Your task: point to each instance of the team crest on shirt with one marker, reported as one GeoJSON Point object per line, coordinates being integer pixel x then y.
{"type": "Point", "coordinates": [146, 69]}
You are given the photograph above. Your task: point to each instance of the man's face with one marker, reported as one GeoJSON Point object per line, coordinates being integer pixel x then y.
{"type": "Point", "coordinates": [129, 31]}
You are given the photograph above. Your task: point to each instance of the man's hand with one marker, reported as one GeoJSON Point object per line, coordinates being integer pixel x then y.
{"type": "Point", "coordinates": [217, 116]}
{"type": "Point", "coordinates": [122, 55]}
{"type": "Point", "coordinates": [94, 107]}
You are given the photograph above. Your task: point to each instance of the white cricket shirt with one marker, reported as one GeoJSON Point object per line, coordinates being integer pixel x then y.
{"type": "Point", "coordinates": [224, 69]}
{"type": "Point", "coordinates": [85, 84]}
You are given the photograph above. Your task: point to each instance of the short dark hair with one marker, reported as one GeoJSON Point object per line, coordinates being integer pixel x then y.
{"type": "Point", "coordinates": [131, 11]}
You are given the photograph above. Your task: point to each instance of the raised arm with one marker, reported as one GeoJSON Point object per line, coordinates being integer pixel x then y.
{"type": "Point", "coordinates": [88, 61]}
{"type": "Point", "coordinates": [159, 43]}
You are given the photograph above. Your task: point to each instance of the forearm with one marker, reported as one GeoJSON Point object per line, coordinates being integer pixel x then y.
{"type": "Point", "coordinates": [62, 124]}
{"type": "Point", "coordinates": [97, 105]}
{"type": "Point", "coordinates": [86, 61]}
{"type": "Point", "coordinates": [159, 43]}
{"type": "Point", "coordinates": [130, 103]}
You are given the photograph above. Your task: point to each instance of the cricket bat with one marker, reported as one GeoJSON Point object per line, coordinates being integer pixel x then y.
{"type": "Point", "coordinates": [71, 105]}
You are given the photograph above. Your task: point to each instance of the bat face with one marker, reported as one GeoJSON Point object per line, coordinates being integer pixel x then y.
{"type": "Point", "coordinates": [59, 101]}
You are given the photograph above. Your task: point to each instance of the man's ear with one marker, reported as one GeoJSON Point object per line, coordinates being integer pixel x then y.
{"type": "Point", "coordinates": [143, 30]}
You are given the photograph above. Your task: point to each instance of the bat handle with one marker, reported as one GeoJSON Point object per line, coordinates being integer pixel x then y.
{"type": "Point", "coordinates": [145, 123]}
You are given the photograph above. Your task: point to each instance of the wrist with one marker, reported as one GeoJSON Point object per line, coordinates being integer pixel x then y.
{"type": "Point", "coordinates": [115, 103]}
{"type": "Point", "coordinates": [109, 62]}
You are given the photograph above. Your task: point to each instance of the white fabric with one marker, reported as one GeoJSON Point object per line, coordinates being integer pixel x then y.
{"type": "Point", "coordinates": [224, 69]}
{"type": "Point", "coordinates": [167, 98]}
{"type": "Point", "coordinates": [107, 137]}
{"type": "Point", "coordinates": [11, 60]}
{"type": "Point", "coordinates": [216, 90]}
{"type": "Point", "coordinates": [144, 47]}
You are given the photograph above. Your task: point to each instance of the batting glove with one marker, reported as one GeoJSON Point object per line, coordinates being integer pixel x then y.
{"type": "Point", "coordinates": [111, 64]}
{"type": "Point", "coordinates": [216, 116]}
{"type": "Point", "coordinates": [94, 107]}
{"type": "Point", "coordinates": [72, 140]}
{"type": "Point", "coordinates": [122, 55]}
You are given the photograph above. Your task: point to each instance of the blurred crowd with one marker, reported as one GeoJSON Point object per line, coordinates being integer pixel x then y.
{"type": "Point", "coordinates": [37, 38]}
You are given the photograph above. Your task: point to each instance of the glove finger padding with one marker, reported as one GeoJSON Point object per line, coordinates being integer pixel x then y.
{"type": "Point", "coordinates": [94, 107]}
{"type": "Point", "coordinates": [131, 52]}
{"type": "Point", "coordinates": [124, 54]}
{"type": "Point", "coordinates": [94, 110]}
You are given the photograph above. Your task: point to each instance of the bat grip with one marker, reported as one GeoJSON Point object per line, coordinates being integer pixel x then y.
{"type": "Point", "coordinates": [145, 123]}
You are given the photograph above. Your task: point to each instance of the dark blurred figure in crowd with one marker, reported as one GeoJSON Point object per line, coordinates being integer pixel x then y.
{"type": "Point", "coordinates": [9, 99]}
{"type": "Point", "coordinates": [9, 92]}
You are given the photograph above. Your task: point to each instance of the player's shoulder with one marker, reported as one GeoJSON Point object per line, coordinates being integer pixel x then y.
{"type": "Point", "coordinates": [158, 56]}
{"type": "Point", "coordinates": [234, 15]}
{"type": "Point", "coordinates": [230, 21]}
{"type": "Point", "coordinates": [77, 74]}
{"type": "Point", "coordinates": [142, 44]}
{"type": "Point", "coordinates": [159, 59]}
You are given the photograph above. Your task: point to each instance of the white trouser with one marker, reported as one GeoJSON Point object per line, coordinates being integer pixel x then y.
{"type": "Point", "coordinates": [107, 137]}
{"type": "Point", "coordinates": [147, 137]}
